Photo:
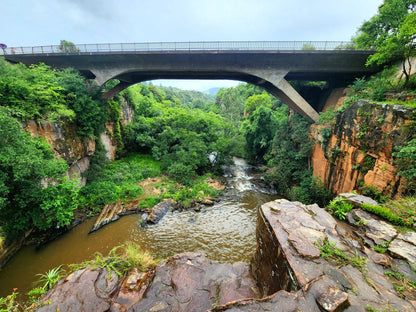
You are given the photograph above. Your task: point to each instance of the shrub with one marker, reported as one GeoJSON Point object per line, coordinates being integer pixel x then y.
{"type": "Point", "coordinates": [339, 208]}
{"type": "Point", "coordinates": [386, 214]}
{"type": "Point", "coordinates": [373, 192]}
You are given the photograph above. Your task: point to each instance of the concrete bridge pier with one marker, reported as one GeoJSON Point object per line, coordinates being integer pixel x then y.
{"type": "Point", "coordinates": [274, 82]}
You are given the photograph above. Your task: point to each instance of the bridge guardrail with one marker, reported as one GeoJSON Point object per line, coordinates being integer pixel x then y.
{"type": "Point", "coordinates": [183, 46]}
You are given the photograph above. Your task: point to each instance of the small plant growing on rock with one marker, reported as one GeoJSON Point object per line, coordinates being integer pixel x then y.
{"type": "Point", "coordinates": [331, 252]}
{"type": "Point", "coordinates": [121, 259]}
{"type": "Point", "coordinates": [339, 208]}
{"type": "Point", "coordinates": [399, 281]}
{"type": "Point", "coordinates": [9, 303]}
{"type": "Point", "coordinates": [49, 278]}
{"type": "Point", "coordinates": [382, 248]}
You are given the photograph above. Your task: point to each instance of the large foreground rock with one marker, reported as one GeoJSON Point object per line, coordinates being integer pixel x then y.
{"type": "Point", "coordinates": [185, 282]}
{"type": "Point", "coordinates": [190, 282]}
{"type": "Point", "coordinates": [293, 276]}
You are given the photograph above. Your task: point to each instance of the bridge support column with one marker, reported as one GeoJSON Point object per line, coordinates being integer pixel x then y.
{"type": "Point", "coordinates": [116, 89]}
{"type": "Point", "coordinates": [290, 96]}
{"type": "Point", "coordinates": [275, 83]}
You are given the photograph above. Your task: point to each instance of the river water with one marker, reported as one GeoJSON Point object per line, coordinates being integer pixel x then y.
{"type": "Point", "coordinates": [224, 232]}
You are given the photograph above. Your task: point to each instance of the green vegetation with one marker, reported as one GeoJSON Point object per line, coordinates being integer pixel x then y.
{"type": "Point", "coordinates": [389, 215]}
{"type": "Point", "coordinates": [339, 208]}
{"type": "Point", "coordinates": [33, 191]}
{"type": "Point", "coordinates": [117, 180]}
{"type": "Point", "coordinates": [67, 47]}
{"type": "Point", "coordinates": [49, 278]}
{"type": "Point", "coordinates": [180, 137]}
{"type": "Point", "coordinates": [26, 165]}
{"type": "Point", "coordinates": [391, 33]}
{"type": "Point", "coordinates": [400, 212]}
{"type": "Point", "coordinates": [382, 248]}
{"type": "Point", "coordinates": [406, 157]}
{"type": "Point", "coordinates": [120, 260]}
{"type": "Point", "coordinates": [333, 253]}
{"type": "Point", "coordinates": [373, 192]}
{"type": "Point", "coordinates": [400, 282]}
{"type": "Point", "coordinates": [40, 92]}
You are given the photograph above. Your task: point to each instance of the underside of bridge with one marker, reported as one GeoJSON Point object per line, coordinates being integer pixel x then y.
{"type": "Point", "coordinates": [272, 81]}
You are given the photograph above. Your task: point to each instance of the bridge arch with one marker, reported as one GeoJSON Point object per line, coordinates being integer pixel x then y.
{"type": "Point", "coordinates": [271, 80]}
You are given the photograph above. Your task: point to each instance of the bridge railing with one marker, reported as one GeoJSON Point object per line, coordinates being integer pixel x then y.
{"type": "Point", "coordinates": [183, 46]}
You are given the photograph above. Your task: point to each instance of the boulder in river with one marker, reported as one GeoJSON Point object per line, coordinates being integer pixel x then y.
{"type": "Point", "coordinates": [159, 211]}
{"type": "Point", "coordinates": [111, 212]}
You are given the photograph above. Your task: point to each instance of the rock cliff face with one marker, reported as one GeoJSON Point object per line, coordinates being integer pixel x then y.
{"type": "Point", "coordinates": [67, 144]}
{"type": "Point", "coordinates": [358, 147]}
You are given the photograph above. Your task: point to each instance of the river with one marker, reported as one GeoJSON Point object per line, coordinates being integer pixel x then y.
{"type": "Point", "coordinates": [224, 232]}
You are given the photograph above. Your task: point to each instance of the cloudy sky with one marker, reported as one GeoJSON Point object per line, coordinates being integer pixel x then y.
{"type": "Point", "coordinates": [46, 22]}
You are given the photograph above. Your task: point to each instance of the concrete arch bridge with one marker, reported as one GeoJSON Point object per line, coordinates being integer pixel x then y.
{"type": "Point", "coordinates": [268, 64]}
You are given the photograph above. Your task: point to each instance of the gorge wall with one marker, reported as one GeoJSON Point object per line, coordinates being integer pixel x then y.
{"type": "Point", "coordinates": [356, 148]}
{"type": "Point", "coordinates": [68, 145]}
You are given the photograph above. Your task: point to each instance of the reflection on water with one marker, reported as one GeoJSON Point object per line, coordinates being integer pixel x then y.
{"type": "Point", "coordinates": [224, 232]}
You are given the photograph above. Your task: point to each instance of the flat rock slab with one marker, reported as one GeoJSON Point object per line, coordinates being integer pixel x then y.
{"type": "Point", "coordinates": [404, 246]}
{"type": "Point", "coordinates": [372, 227]}
{"type": "Point", "coordinates": [356, 200]}
{"type": "Point", "coordinates": [191, 282]}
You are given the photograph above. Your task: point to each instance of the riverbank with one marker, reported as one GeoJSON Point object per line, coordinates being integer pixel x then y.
{"type": "Point", "coordinates": [225, 232]}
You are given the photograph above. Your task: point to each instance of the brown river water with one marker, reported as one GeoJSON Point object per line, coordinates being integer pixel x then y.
{"type": "Point", "coordinates": [224, 232]}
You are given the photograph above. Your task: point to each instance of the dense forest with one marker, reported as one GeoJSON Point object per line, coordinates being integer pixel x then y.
{"type": "Point", "coordinates": [173, 133]}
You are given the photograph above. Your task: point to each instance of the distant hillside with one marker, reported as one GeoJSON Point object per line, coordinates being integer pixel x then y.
{"type": "Point", "coordinates": [212, 91]}
{"type": "Point", "coordinates": [189, 97]}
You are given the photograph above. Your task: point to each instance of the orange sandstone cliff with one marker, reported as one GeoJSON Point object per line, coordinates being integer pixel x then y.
{"type": "Point", "coordinates": [357, 148]}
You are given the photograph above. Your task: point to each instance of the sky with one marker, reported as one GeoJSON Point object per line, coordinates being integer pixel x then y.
{"type": "Point", "coordinates": [46, 22]}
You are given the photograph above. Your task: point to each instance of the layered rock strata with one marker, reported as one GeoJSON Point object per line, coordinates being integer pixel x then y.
{"type": "Point", "coordinates": [358, 147]}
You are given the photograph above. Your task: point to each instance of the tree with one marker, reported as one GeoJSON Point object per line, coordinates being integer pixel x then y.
{"type": "Point", "coordinates": [259, 130]}
{"type": "Point", "coordinates": [392, 33]}
{"type": "Point", "coordinates": [257, 100]}
{"type": "Point", "coordinates": [67, 47]}
{"type": "Point", "coordinates": [25, 164]}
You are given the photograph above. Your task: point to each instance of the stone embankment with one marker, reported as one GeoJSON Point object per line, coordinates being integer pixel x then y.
{"type": "Point", "coordinates": [358, 147]}
{"type": "Point", "coordinates": [288, 271]}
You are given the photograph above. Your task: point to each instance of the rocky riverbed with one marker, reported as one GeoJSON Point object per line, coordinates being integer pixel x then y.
{"type": "Point", "coordinates": [287, 273]}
